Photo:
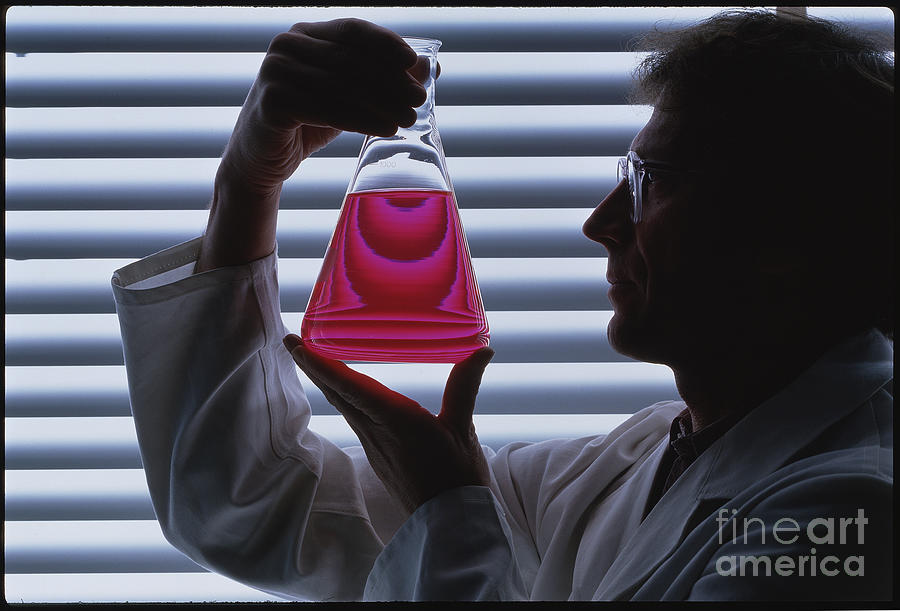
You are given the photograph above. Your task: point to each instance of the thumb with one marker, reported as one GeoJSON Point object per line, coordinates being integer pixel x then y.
{"type": "Point", "coordinates": [462, 388]}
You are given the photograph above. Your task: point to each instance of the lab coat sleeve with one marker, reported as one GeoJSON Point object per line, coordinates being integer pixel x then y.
{"type": "Point", "coordinates": [480, 543]}
{"type": "Point", "coordinates": [237, 480]}
{"type": "Point", "coordinates": [456, 546]}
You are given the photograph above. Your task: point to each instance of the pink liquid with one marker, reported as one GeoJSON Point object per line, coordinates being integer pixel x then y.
{"type": "Point", "coordinates": [397, 283]}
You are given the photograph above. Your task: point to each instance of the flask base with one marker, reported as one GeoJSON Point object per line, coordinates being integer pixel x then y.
{"type": "Point", "coordinates": [398, 350]}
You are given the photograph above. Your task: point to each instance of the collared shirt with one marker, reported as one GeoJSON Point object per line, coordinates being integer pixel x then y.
{"type": "Point", "coordinates": [685, 445]}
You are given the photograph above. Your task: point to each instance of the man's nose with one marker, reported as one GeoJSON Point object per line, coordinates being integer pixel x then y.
{"type": "Point", "coordinates": [610, 222]}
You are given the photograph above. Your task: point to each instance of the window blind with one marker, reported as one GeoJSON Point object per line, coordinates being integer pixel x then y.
{"type": "Point", "coordinates": [115, 118]}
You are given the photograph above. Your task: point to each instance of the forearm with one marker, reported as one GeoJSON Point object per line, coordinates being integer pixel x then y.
{"type": "Point", "coordinates": [242, 222]}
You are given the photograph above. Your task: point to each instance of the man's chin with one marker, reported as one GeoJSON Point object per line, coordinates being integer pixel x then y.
{"type": "Point", "coordinates": [621, 335]}
{"type": "Point", "coordinates": [633, 339]}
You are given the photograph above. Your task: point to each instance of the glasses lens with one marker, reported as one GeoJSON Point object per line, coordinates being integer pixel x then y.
{"type": "Point", "coordinates": [634, 184]}
{"type": "Point", "coordinates": [627, 169]}
{"type": "Point", "coordinates": [624, 172]}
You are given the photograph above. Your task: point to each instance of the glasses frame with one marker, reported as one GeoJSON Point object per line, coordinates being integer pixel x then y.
{"type": "Point", "coordinates": [633, 170]}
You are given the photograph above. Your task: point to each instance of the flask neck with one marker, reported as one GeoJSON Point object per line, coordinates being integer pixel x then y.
{"type": "Point", "coordinates": [413, 158]}
{"type": "Point", "coordinates": [426, 49]}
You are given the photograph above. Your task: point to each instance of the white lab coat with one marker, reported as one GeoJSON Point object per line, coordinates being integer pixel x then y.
{"type": "Point", "coordinates": [244, 488]}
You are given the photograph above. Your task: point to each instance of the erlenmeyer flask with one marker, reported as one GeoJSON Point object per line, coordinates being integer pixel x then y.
{"type": "Point", "coordinates": [396, 282]}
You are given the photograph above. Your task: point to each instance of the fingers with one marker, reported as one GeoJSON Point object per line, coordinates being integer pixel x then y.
{"type": "Point", "coordinates": [362, 34]}
{"type": "Point", "coordinates": [283, 103]}
{"type": "Point", "coordinates": [366, 66]}
{"type": "Point", "coordinates": [462, 388]}
{"type": "Point", "coordinates": [375, 39]}
{"type": "Point", "coordinates": [356, 419]}
{"type": "Point", "coordinates": [345, 387]}
{"type": "Point", "coordinates": [421, 70]}
{"type": "Point", "coordinates": [345, 74]}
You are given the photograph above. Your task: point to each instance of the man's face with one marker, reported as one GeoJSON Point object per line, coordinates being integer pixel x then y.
{"type": "Point", "coordinates": [677, 276]}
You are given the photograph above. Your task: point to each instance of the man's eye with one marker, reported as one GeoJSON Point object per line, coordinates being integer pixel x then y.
{"type": "Point", "coordinates": [650, 175]}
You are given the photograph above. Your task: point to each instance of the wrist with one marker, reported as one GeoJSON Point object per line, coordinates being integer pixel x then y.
{"type": "Point", "coordinates": [242, 223]}
{"type": "Point", "coordinates": [233, 184]}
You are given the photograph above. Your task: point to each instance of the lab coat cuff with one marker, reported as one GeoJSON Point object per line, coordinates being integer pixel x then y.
{"type": "Point", "coordinates": [455, 546]}
{"type": "Point", "coordinates": [170, 273]}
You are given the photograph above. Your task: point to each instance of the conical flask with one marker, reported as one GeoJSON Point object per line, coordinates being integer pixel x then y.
{"type": "Point", "coordinates": [397, 282]}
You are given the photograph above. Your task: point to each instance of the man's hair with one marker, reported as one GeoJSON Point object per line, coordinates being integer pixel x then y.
{"type": "Point", "coordinates": [795, 115]}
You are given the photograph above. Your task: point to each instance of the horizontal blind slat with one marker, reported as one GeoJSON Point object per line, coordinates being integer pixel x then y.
{"type": "Point", "coordinates": [89, 391]}
{"type": "Point", "coordinates": [215, 80]}
{"type": "Point", "coordinates": [482, 29]}
{"type": "Point", "coordinates": [61, 286]}
{"type": "Point", "coordinates": [77, 494]}
{"type": "Point", "coordinates": [301, 233]}
{"type": "Point", "coordinates": [180, 184]}
{"type": "Point", "coordinates": [220, 29]}
{"type": "Point", "coordinates": [128, 588]}
{"type": "Point", "coordinates": [71, 443]}
{"type": "Point", "coordinates": [94, 339]}
{"type": "Point", "coordinates": [131, 546]}
{"type": "Point", "coordinates": [466, 131]}
{"type": "Point", "coordinates": [532, 388]}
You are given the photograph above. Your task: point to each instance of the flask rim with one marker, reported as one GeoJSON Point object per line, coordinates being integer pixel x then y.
{"type": "Point", "coordinates": [418, 42]}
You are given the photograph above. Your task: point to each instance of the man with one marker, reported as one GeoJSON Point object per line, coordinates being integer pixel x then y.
{"type": "Point", "coordinates": [771, 480]}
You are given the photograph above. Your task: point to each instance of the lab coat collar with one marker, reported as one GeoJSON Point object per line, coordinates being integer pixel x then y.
{"type": "Point", "coordinates": [769, 435]}
{"type": "Point", "coordinates": [825, 393]}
